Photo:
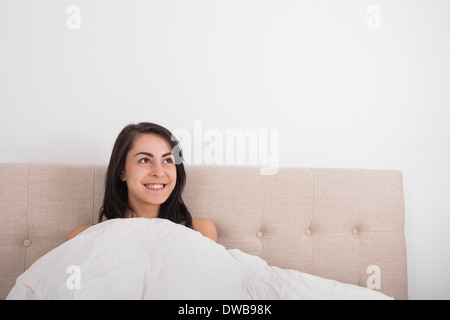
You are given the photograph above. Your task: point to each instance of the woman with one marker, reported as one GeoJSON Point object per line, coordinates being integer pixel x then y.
{"type": "Point", "coordinates": [145, 178]}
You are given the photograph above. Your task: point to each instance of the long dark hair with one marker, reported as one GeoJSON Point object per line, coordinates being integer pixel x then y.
{"type": "Point", "coordinates": [115, 201]}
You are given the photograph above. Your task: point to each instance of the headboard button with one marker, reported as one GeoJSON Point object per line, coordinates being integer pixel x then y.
{"type": "Point", "coordinates": [308, 232]}
{"type": "Point", "coordinates": [26, 243]}
{"type": "Point", "coordinates": [355, 231]}
{"type": "Point", "coordinates": [259, 234]}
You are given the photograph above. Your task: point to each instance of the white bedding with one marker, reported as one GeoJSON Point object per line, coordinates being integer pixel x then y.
{"type": "Point", "coordinates": [143, 258]}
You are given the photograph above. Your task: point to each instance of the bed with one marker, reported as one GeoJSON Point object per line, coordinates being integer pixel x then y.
{"type": "Point", "coordinates": [346, 225]}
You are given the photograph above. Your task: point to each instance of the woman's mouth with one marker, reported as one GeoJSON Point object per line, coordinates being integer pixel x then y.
{"type": "Point", "coordinates": [155, 186]}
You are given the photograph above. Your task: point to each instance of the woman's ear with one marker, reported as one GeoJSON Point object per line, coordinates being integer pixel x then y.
{"type": "Point", "coordinates": [122, 176]}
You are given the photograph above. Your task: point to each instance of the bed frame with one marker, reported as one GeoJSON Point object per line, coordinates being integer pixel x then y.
{"type": "Point", "coordinates": [342, 224]}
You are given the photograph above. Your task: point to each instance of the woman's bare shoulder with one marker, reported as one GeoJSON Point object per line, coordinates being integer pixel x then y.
{"type": "Point", "coordinates": [77, 231]}
{"type": "Point", "coordinates": [206, 227]}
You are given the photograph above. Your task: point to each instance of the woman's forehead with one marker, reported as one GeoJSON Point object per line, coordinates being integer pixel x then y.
{"type": "Point", "coordinates": [149, 142]}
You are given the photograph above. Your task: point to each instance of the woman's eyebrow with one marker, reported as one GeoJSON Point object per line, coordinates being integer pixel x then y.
{"type": "Point", "coordinates": [151, 155]}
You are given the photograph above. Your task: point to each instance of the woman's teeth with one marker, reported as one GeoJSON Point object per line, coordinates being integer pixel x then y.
{"type": "Point", "coordinates": [154, 186]}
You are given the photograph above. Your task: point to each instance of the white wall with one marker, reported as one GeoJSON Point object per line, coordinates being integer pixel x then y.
{"type": "Point", "coordinates": [341, 91]}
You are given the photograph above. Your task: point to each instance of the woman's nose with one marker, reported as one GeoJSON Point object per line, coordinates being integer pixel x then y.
{"type": "Point", "coordinates": [157, 170]}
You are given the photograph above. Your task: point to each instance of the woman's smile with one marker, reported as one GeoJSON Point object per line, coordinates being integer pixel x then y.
{"type": "Point", "coordinates": [155, 186]}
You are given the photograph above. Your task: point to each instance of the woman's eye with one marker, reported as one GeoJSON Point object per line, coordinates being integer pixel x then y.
{"type": "Point", "coordinates": [168, 160]}
{"type": "Point", "coordinates": [144, 160]}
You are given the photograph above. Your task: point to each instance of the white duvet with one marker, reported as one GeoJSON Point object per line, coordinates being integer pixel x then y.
{"type": "Point", "coordinates": [143, 258]}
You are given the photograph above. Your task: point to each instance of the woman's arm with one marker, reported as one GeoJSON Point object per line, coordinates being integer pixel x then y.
{"type": "Point", "coordinates": [205, 227]}
{"type": "Point", "coordinates": [78, 230]}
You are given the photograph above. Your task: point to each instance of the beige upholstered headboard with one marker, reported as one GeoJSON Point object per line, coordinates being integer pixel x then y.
{"type": "Point", "coordinates": [343, 224]}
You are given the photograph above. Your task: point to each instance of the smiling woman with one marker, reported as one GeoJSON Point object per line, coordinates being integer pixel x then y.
{"type": "Point", "coordinates": [150, 176]}
{"type": "Point", "coordinates": [146, 179]}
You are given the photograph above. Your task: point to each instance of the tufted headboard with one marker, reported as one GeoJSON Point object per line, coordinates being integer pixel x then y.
{"type": "Point", "coordinates": [342, 224]}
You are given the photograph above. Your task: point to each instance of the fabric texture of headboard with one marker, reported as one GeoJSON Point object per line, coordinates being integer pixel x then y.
{"type": "Point", "coordinates": [342, 224]}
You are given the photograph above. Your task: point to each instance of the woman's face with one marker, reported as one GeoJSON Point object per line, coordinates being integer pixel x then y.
{"type": "Point", "coordinates": [150, 174]}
